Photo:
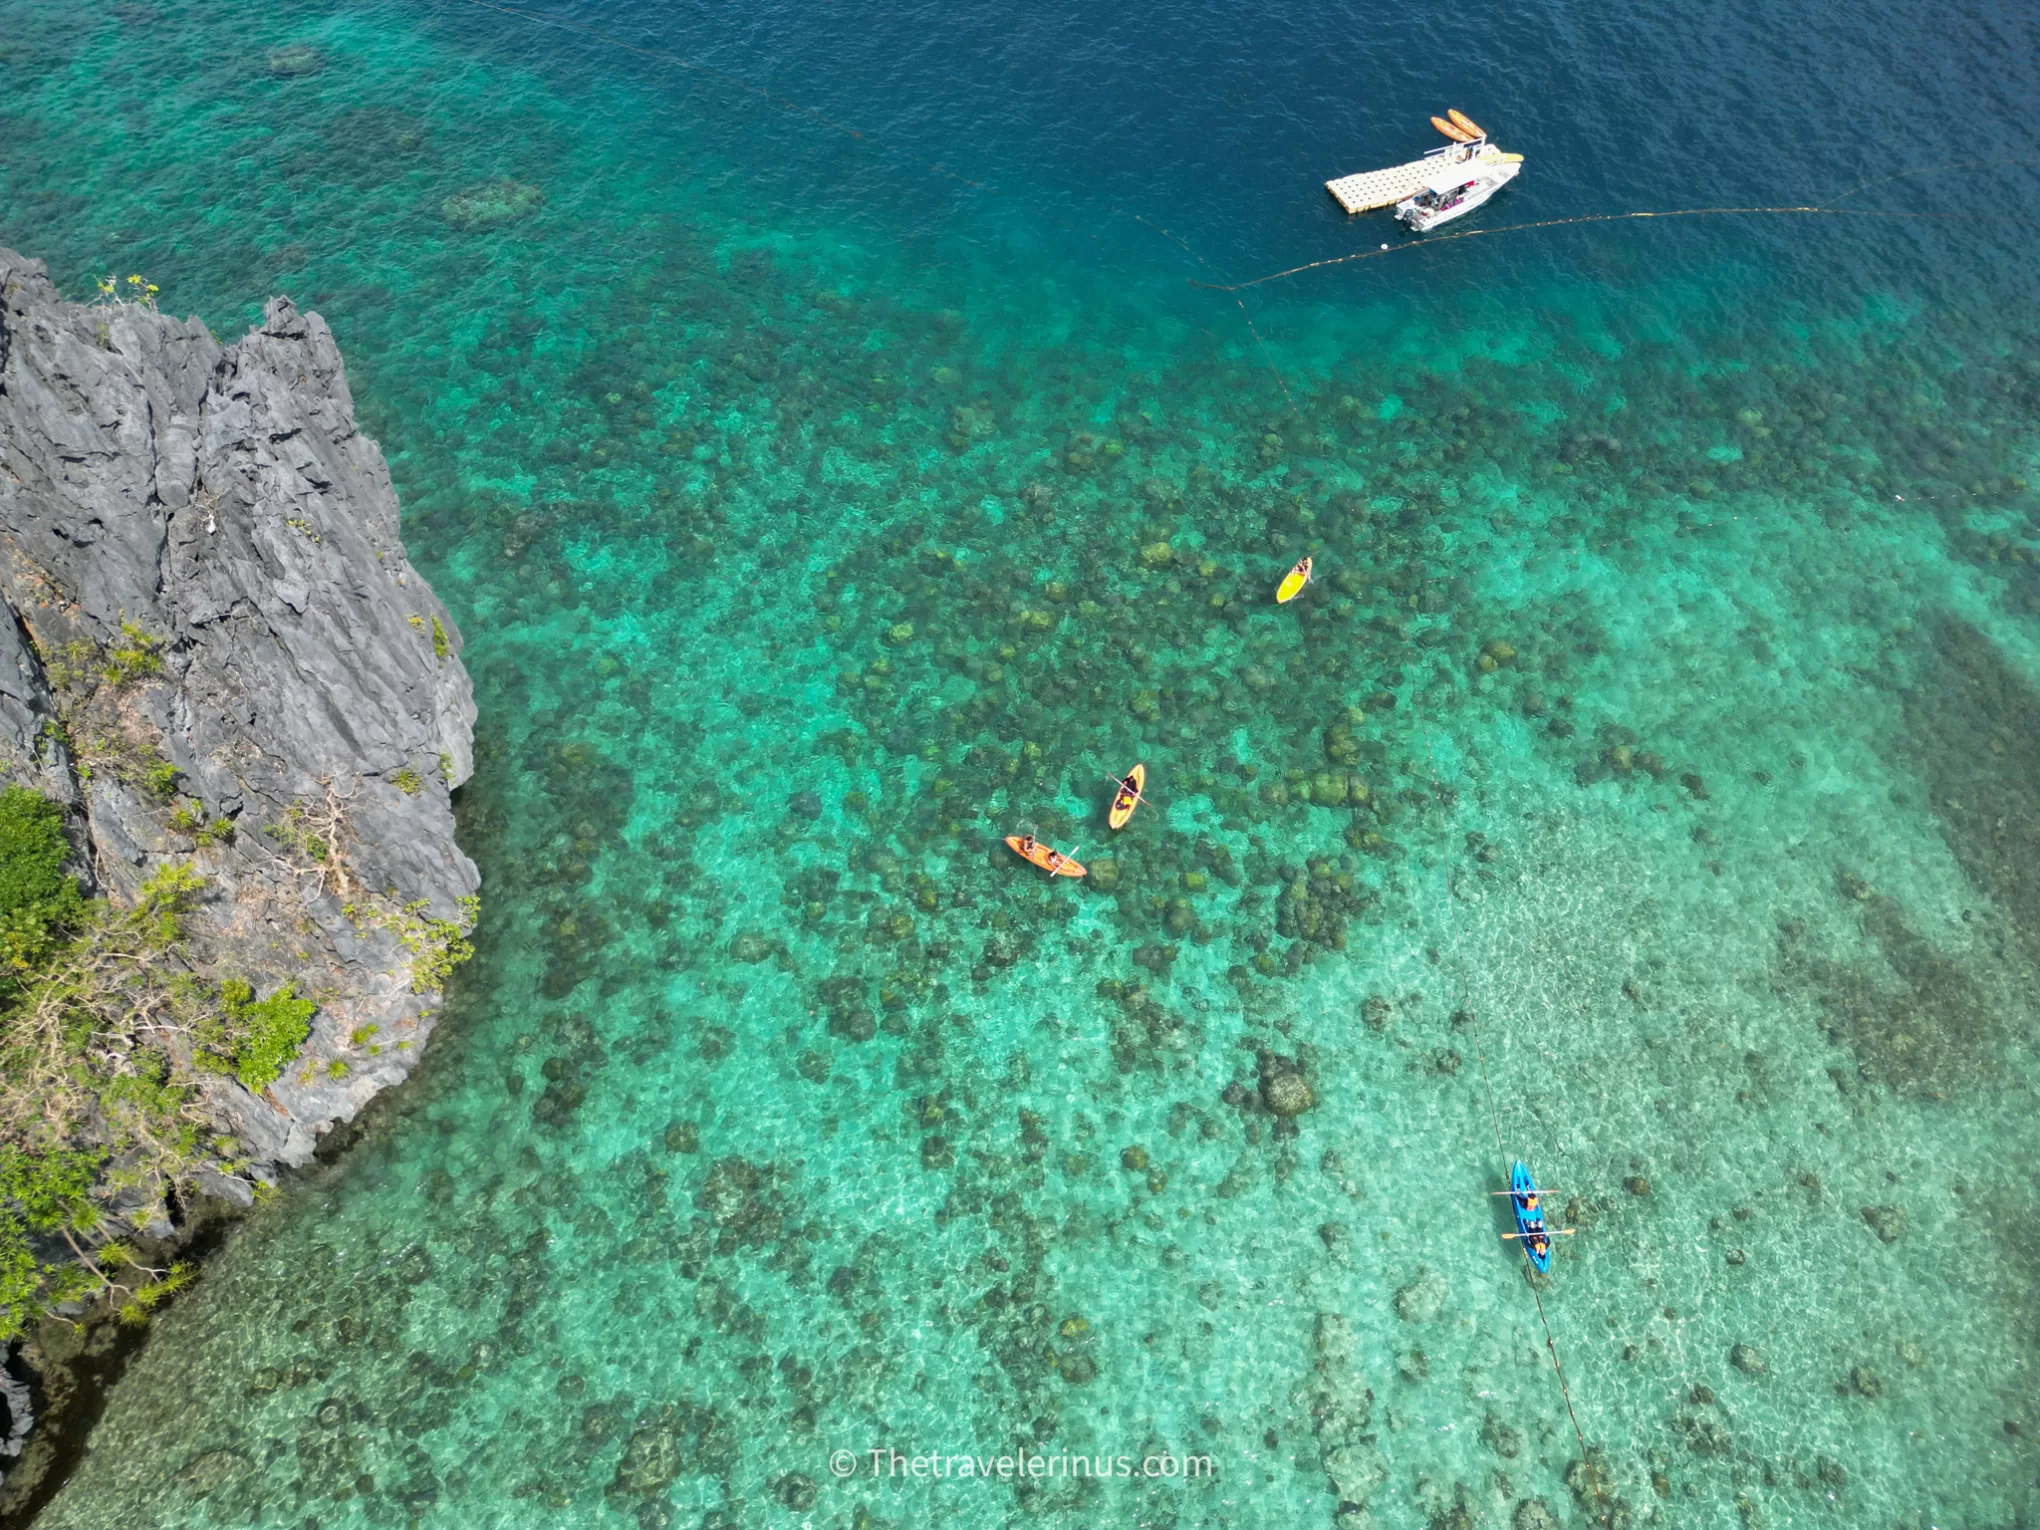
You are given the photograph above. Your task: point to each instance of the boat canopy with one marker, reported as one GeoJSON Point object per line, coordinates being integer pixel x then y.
{"type": "Point", "coordinates": [1451, 178]}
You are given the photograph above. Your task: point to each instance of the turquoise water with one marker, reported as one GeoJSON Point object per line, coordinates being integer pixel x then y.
{"type": "Point", "coordinates": [1658, 734]}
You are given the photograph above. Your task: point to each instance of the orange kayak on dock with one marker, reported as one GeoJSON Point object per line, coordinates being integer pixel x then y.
{"type": "Point", "coordinates": [1054, 862]}
{"type": "Point", "coordinates": [1128, 796]}
{"type": "Point", "coordinates": [1293, 583]}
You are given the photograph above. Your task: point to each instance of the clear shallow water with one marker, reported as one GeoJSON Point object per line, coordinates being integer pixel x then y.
{"type": "Point", "coordinates": [783, 1114]}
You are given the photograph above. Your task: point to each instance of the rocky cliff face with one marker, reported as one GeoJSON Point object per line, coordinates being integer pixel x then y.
{"type": "Point", "coordinates": [206, 522]}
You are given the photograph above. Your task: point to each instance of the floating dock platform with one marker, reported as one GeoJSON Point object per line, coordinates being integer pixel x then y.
{"type": "Point", "coordinates": [1384, 188]}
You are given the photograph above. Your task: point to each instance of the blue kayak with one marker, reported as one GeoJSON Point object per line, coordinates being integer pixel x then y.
{"type": "Point", "coordinates": [1534, 1235]}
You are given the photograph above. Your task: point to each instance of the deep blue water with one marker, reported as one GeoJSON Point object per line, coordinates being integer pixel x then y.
{"type": "Point", "coordinates": [1221, 122]}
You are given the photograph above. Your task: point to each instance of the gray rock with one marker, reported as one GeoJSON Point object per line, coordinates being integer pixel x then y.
{"type": "Point", "coordinates": [31, 754]}
{"type": "Point", "coordinates": [1422, 1299]}
{"type": "Point", "coordinates": [1502, 1437]}
{"type": "Point", "coordinates": [1341, 1405]}
{"type": "Point", "coordinates": [1335, 1338]}
{"type": "Point", "coordinates": [1888, 1222]}
{"type": "Point", "coordinates": [222, 501]}
{"type": "Point", "coordinates": [1284, 1089]}
{"type": "Point", "coordinates": [17, 1408]}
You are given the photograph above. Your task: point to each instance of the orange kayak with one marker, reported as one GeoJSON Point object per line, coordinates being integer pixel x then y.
{"type": "Point", "coordinates": [1054, 862]}
{"type": "Point", "coordinates": [1466, 124]}
{"type": "Point", "coordinates": [1128, 797]}
{"type": "Point", "coordinates": [1293, 583]}
{"type": "Point", "coordinates": [1452, 131]}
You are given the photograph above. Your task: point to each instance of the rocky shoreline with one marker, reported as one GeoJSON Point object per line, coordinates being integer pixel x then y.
{"type": "Point", "coordinates": [216, 658]}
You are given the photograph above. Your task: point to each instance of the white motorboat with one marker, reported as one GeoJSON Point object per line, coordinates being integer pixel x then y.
{"type": "Point", "coordinates": [1462, 182]}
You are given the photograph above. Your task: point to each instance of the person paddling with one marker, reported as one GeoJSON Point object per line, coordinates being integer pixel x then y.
{"type": "Point", "coordinates": [1126, 796]}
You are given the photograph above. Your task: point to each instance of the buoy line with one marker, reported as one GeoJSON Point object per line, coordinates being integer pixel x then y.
{"type": "Point", "coordinates": [1550, 1342]}
{"type": "Point", "coordinates": [1431, 241]}
{"type": "Point", "coordinates": [1466, 1008]}
{"type": "Point", "coordinates": [798, 108]}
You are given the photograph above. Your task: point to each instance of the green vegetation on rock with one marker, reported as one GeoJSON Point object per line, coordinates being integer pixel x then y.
{"type": "Point", "coordinates": [436, 946]}
{"type": "Point", "coordinates": [37, 901]}
{"type": "Point", "coordinates": [135, 654]}
{"type": "Point", "coordinates": [103, 1037]}
{"type": "Point", "coordinates": [253, 1038]}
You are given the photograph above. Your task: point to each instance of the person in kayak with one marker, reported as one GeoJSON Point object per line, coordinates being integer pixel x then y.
{"type": "Point", "coordinates": [1027, 845]}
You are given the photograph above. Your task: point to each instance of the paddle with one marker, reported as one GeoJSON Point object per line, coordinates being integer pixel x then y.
{"type": "Point", "coordinates": [1540, 1190]}
{"type": "Point", "coordinates": [1120, 783]}
{"type": "Point", "coordinates": [1561, 1232]}
{"type": "Point", "coordinates": [1050, 870]}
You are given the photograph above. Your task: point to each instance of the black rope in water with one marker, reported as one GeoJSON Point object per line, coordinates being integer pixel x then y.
{"type": "Point", "coordinates": [1480, 1055]}
{"type": "Point", "coordinates": [1495, 1120]}
{"type": "Point", "coordinates": [1232, 289]}
{"type": "Point", "coordinates": [1184, 245]}
{"type": "Point", "coordinates": [1516, 228]}
{"type": "Point", "coordinates": [1564, 1390]}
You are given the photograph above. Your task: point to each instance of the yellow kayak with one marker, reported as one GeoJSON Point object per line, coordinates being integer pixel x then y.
{"type": "Point", "coordinates": [1465, 123]}
{"type": "Point", "coordinates": [1127, 798]}
{"type": "Point", "coordinates": [1456, 134]}
{"type": "Point", "coordinates": [1293, 583]}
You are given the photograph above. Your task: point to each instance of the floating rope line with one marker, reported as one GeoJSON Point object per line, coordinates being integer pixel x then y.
{"type": "Point", "coordinates": [1550, 1342]}
{"type": "Point", "coordinates": [1266, 354]}
{"type": "Point", "coordinates": [1480, 1055]}
{"type": "Point", "coordinates": [1516, 228]}
{"type": "Point", "coordinates": [1184, 245]}
{"type": "Point", "coordinates": [797, 108]}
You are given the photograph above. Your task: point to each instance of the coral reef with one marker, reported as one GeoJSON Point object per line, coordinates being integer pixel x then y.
{"type": "Point", "coordinates": [491, 204]}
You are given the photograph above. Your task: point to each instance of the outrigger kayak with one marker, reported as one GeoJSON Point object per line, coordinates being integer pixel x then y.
{"type": "Point", "coordinates": [1128, 796]}
{"type": "Point", "coordinates": [1293, 583]}
{"type": "Point", "coordinates": [1530, 1225]}
{"type": "Point", "coordinates": [1054, 862]}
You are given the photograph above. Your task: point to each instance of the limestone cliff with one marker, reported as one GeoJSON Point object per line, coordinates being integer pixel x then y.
{"type": "Point", "coordinates": [205, 523]}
